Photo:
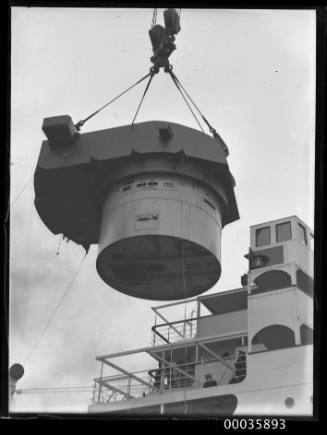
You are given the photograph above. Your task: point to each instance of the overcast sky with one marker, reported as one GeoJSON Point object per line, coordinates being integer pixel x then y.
{"type": "Point", "coordinates": [253, 75]}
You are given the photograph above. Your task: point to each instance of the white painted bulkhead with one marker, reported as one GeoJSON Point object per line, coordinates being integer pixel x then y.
{"type": "Point", "coordinates": [272, 378]}
{"type": "Point", "coordinates": [226, 323]}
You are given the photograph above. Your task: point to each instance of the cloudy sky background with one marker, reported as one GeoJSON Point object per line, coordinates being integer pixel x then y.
{"type": "Point", "coordinates": [253, 75]}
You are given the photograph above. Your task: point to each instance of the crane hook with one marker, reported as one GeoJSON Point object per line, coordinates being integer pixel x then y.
{"type": "Point", "coordinates": [162, 40]}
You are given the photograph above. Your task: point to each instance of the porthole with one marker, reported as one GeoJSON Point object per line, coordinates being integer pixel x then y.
{"type": "Point", "coordinates": [289, 402]}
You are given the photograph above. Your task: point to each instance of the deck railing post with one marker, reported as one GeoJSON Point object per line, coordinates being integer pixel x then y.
{"type": "Point", "coordinates": [198, 313]}
{"type": "Point", "coordinates": [154, 331]}
{"type": "Point", "coordinates": [162, 379]}
{"type": "Point", "coordinates": [184, 329]}
{"type": "Point", "coordinates": [129, 385]}
{"type": "Point", "coordinates": [202, 369]}
{"type": "Point", "coordinates": [170, 377]}
{"type": "Point", "coordinates": [100, 383]}
{"type": "Point", "coordinates": [94, 389]}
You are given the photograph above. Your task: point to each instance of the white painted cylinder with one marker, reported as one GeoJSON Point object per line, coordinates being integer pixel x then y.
{"type": "Point", "coordinates": [160, 237]}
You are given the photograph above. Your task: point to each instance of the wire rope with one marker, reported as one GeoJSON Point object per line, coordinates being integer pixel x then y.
{"type": "Point", "coordinates": [187, 103]}
{"type": "Point", "coordinates": [83, 121]}
{"type": "Point", "coordinates": [140, 103]}
{"type": "Point", "coordinates": [22, 190]}
{"type": "Point", "coordinates": [54, 312]}
{"type": "Point", "coordinates": [184, 285]}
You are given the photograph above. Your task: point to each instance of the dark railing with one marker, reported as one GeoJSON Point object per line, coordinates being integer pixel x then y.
{"type": "Point", "coordinates": [164, 379]}
{"type": "Point", "coordinates": [173, 331]}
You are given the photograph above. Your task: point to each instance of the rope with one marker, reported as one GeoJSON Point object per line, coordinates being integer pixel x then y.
{"type": "Point", "coordinates": [211, 129]}
{"type": "Point", "coordinates": [184, 280]}
{"type": "Point", "coordinates": [5, 299]}
{"type": "Point", "coordinates": [144, 93]}
{"type": "Point", "coordinates": [54, 312]}
{"type": "Point", "coordinates": [83, 121]}
{"type": "Point", "coordinates": [54, 389]}
{"type": "Point", "coordinates": [61, 237]}
{"type": "Point", "coordinates": [22, 190]}
{"type": "Point", "coordinates": [172, 75]}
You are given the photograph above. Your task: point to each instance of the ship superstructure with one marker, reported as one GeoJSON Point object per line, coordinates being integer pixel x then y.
{"type": "Point", "coordinates": [243, 351]}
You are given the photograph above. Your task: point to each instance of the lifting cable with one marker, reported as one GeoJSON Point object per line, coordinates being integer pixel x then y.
{"type": "Point", "coordinates": [184, 287]}
{"type": "Point", "coordinates": [51, 390]}
{"type": "Point", "coordinates": [22, 190]}
{"type": "Point", "coordinates": [172, 75]}
{"type": "Point", "coordinates": [55, 389]}
{"type": "Point", "coordinates": [144, 93]}
{"type": "Point", "coordinates": [54, 311]}
{"type": "Point", "coordinates": [83, 121]}
{"type": "Point", "coordinates": [212, 130]}
{"type": "Point", "coordinates": [58, 250]}
{"type": "Point", "coordinates": [180, 86]}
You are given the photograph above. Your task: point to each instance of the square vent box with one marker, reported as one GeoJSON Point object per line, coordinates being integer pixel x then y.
{"type": "Point", "coordinates": [60, 130]}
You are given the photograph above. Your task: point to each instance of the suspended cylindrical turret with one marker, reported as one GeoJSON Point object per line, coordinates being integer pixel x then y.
{"type": "Point", "coordinates": [160, 237]}
{"type": "Point", "coordinates": [155, 200]}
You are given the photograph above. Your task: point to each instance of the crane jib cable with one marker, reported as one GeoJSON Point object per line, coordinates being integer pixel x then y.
{"type": "Point", "coordinates": [83, 121]}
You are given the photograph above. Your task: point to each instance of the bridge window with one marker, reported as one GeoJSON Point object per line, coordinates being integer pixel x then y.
{"type": "Point", "coordinates": [262, 236]}
{"type": "Point", "coordinates": [283, 232]}
{"type": "Point", "coordinates": [275, 337]}
{"type": "Point", "coordinates": [306, 334]}
{"type": "Point", "coordinates": [303, 234]}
